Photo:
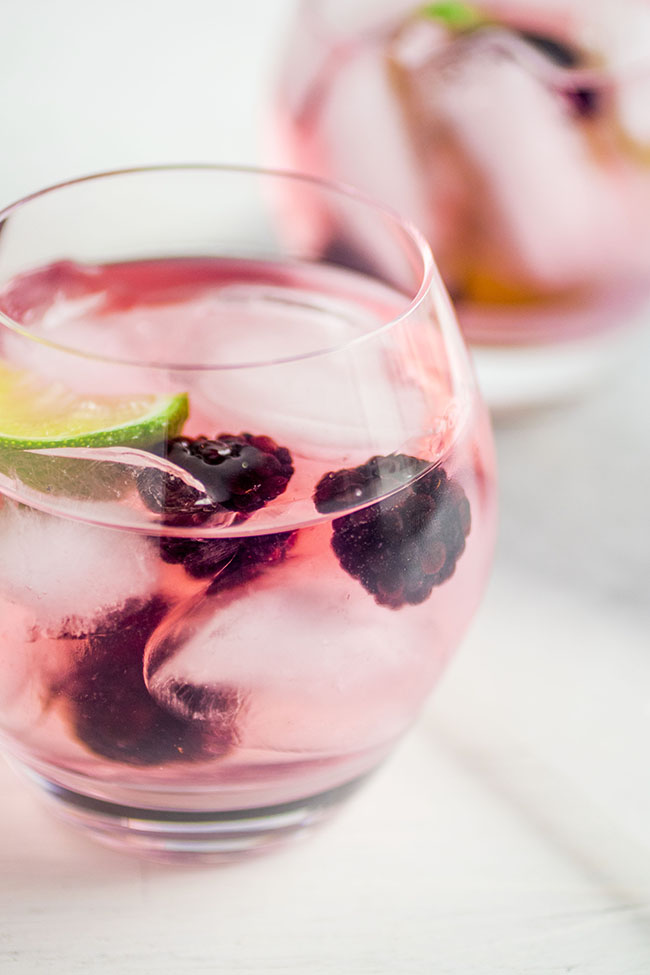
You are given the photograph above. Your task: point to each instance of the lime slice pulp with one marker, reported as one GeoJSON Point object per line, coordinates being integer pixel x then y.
{"type": "Point", "coordinates": [36, 415]}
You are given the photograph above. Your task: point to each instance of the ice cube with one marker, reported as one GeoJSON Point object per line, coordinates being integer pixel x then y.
{"type": "Point", "coordinates": [65, 304]}
{"type": "Point", "coordinates": [74, 365]}
{"type": "Point", "coordinates": [67, 573]}
{"type": "Point", "coordinates": [33, 665]}
{"type": "Point", "coordinates": [350, 401]}
{"type": "Point", "coordinates": [360, 135]}
{"type": "Point", "coordinates": [316, 665]}
{"type": "Point", "coordinates": [16, 640]}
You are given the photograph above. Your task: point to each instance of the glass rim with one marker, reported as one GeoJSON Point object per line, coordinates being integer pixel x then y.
{"type": "Point", "coordinates": [429, 276]}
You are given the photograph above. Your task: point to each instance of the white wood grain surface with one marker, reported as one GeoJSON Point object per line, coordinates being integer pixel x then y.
{"type": "Point", "coordinates": [510, 833]}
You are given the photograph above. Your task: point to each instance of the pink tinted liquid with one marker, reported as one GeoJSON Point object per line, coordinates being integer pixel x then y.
{"type": "Point", "coordinates": [123, 674]}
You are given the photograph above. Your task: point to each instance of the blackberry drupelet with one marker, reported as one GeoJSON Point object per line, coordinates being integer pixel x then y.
{"type": "Point", "coordinates": [404, 545]}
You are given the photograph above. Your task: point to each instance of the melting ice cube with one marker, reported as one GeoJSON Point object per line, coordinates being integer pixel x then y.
{"type": "Point", "coordinates": [70, 573]}
{"type": "Point", "coordinates": [344, 400]}
{"type": "Point", "coordinates": [363, 136]}
{"type": "Point", "coordinates": [317, 667]}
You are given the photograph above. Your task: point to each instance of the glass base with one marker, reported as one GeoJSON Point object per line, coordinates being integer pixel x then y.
{"type": "Point", "coordinates": [518, 378]}
{"type": "Point", "coordinates": [210, 837]}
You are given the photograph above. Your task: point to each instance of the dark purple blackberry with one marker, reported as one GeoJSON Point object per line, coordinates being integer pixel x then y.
{"type": "Point", "coordinates": [402, 546]}
{"type": "Point", "coordinates": [177, 502]}
{"type": "Point", "coordinates": [230, 560]}
{"type": "Point", "coordinates": [111, 709]}
{"type": "Point", "coordinates": [200, 557]}
{"type": "Point", "coordinates": [353, 486]}
{"type": "Point", "coordinates": [240, 473]}
{"type": "Point", "coordinates": [255, 554]}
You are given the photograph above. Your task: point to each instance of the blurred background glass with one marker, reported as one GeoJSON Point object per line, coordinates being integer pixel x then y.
{"type": "Point", "coordinates": [517, 135]}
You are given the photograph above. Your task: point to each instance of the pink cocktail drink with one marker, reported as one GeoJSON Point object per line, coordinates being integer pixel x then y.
{"type": "Point", "coordinates": [234, 620]}
{"type": "Point", "coordinates": [517, 135]}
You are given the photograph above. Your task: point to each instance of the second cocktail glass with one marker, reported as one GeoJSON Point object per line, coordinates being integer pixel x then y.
{"type": "Point", "coordinates": [517, 135]}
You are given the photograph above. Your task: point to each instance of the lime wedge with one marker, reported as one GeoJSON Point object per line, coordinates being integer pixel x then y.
{"type": "Point", "coordinates": [37, 415]}
{"type": "Point", "coordinates": [34, 415]}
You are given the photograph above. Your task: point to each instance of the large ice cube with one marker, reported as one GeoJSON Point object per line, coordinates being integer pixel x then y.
{"type": "Point", "coordinates": [352, 402]}
{"type": "Point", "coordinates": [66, 304]}
{"type": "Point", "coordinates": [83, 336]}
{"type": "Point", "coordinates": [316, 664]}
{"type": "Point", "coordinates": [33, 666]}
{"type": "Point", "coordinates": [66, 573]}
{"type": "Point", "coordinates": [16, 639]}
{"type": "Point", "coordinates": [360, 135]}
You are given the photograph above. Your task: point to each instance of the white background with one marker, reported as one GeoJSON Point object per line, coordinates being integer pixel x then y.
{"type": "Point", "coordinates": [87, 86]}
{"type": "Point", "coordinates": [511, 831]}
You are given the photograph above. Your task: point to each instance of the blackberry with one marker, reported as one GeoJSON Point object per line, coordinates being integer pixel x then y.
{"type": "Point", "coordinates": [234, 559]}
{"type": "Point", "coordinates": [169, 496]}
{"type": "Point", "coordinates": [200, 557]}
{"type": "Point", "coordinates": [353, 486]}
{"type": "Point", "coordinates": [111, 710]}
{"type": "Point", "coordinates": [402, 546]}
{"type": "Point", "coordinates": [254, 555]}
{"type": "Point", "coordinates": [240, 473]}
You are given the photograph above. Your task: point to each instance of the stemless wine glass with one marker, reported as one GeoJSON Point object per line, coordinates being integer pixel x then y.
{"type": "Point", "coordinates": [516, 134]}
{"type": "Point", "coordinates": [247, 500]}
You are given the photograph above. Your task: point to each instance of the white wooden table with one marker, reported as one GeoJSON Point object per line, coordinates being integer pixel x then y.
{"type": "Point", "coordinates": [510, 833]}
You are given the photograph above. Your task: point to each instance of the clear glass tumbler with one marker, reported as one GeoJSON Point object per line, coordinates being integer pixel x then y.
{"type": "Point", "coordinates": [246, 501]}
{"type": "Point", "coordinates": [516, 134]}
